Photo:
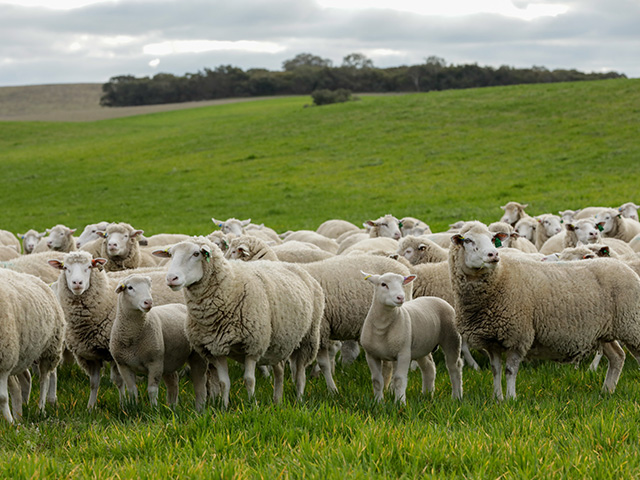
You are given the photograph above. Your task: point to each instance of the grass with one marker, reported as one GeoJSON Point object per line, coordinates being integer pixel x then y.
{"type": "Point", "coordinates": [442, 157]}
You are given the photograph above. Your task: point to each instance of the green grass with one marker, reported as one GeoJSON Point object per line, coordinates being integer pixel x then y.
{"type": "Point", "coordinates": [441, 157]}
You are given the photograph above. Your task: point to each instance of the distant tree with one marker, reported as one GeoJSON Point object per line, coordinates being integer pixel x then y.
{"type": "Point", "coordinates": [305, 60]}
{"type": "Point", "coordinates": [357, 60]}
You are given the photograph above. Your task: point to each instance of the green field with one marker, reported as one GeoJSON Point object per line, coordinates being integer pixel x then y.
{"type": "Point", "coordinates": [441, 157]}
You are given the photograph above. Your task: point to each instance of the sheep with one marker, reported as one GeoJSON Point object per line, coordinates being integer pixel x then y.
{"type": "Point", "coordinates": [512, 240]}
{"type": "Point", "coordinates": [153, 341]}
{"type": "Point", "coordinates": [513, 211]}
{"type": "Point", "coordinates": [334, 228]}
{"type": "Point", "coordinates": [258, 312]}
{"type": "Point", "coordinates": [59, 239]}
{"type": "Point", "coordinates": [32, 330]}
{"type": "Point", "coordinates": [527, 309]}
{"type": "Point", "coordinates": [371, 245]}
{"type": "Point", "coordinates": [567, 216]}
{"type": "Point", "coordinates": [349, 239]}
{"type": "Point", "coordinates": [588, 212]}
{"type": "Point", "coordinates": [300, 252]}
{"type": "Point", "coordinates": [164, 239]}
{"type": "Point", "coordinates": [386, 226]}
{"type": "Point", "coordinates": [585, 231]}
{"type": "Point", "coordinates": [9, 239]}
{"type": "Point", "coordinates": [419, 249]}
{"type": "Point", "coordinates": [629, 210]}
{"type": "Point", "coordinates": [548, 226]}
{"type": "Point", "coordinates": [526, 228]}
{"type": "Point", "coordinates": [612, 224]}
{"type": "Point", "coordinates": [90, 233]}
{"type": "Point", "coordinates": [317, 239]}
{"type": "Point", "coordinates": [246, 247]}
{"type": "Point", "coordinates": [120, 246]}
{"type": "Point", "coordinates": [232, 225]}
{"type": "Point", "coordinates": [635, 244]}
{"type": "Point", "coordinates": [221, 239]}
{"type": "Point", "coordinates": [30, 239]}
{"type": "Point", "coordinates": [413, 226]}
{"type": "Point", "coordinates": [35, 264]}
{"type": "Point", "coordinates": [399, 331]}
{"type": "Point", "coordinates": [442, 239]}
{"type": "Point", "coordinates": [8, 253]}
{"type": "Point", "coordinates": [87, 296]}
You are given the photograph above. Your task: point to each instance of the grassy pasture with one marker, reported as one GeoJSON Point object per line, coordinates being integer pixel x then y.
{"type": "Point", "coordinates": [440, 156]}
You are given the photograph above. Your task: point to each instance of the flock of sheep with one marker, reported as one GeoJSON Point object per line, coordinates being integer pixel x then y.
{"type": "Point", "coordinates": [151, 306]}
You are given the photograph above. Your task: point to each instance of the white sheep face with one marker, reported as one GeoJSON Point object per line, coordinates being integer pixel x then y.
{"type": "Point", "coordinates": [237, 252]}
{"type": "Point", "coordinates": [586, 231]}
{"type": "Point", "coordinates": [566, 216]}
{"type": "Point", "coordinates": [551, 225]}
{"type": "Point", "coordinates": [58, 237]}
{"type": "Point", "coordinates": [30, 240]}
{"type": "Point", "coordinates": [232, 225]}
{"type": "Point", "coordinates": [77, 272]}
{"type": "Point", "coordinates": [185, 267]}
{"type": "Point", "coordinates": [135, 293]}
{"type": "Point", "coordinates": [605, 221]}
{"type": "Point", "coordinates": [90, 233]}
{"type": "Point", "coordinates": [629, 210]}
{"type": "Point", "coordinates": [388, 288]}
{"type": "Point", "coordinates": [388, 226]}
{"type": "Point", "coordinates": [408, 253]}
{"type": "Point", "coordinates": [479, 249]}
{"type": "Point", "coordinates": [525, 229]}
{"type": "Point", "coordinates": [118, 243]}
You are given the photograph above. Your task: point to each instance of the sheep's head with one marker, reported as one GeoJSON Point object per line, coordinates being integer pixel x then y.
{"type": "Point", "coordinates": [552, 224]}
{"type": "Point", "coordinates": [629, 210]}
{"type": "Point", "coordinates": [585, 230]}
{"type": "Point", "coordinates": [77, 267]}
{"type": "Point", "coordinates": [513, 211]}
{"type": "Point", "coordinates": [59, 237]}
{"type": "Point", "coordinates": [187, 261]}
{"type": "Point", "coordinates": [387, 226]}
{"type": "Point", "coordinates": [479, 246]}
{"type": "Point", "coordinates": [135, 292]}
{"type": "Point", "coordinates": [119, 239]}
{"type": "Point", "coordinates": [526, 228]}
{"type": "Point", "coordinates": [90, 233]}
{"type": "Point", "coordinates": [30, 240]}
{"type": "Point", "coordinates": [232, 225]}
{"type": "Point", "coordinates": [606, 220]}
{"type": "Point", "coordinates": [388, 288]}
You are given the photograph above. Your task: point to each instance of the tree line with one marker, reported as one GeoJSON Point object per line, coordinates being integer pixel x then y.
{"type": "Point", "coordinates": [307, 73]}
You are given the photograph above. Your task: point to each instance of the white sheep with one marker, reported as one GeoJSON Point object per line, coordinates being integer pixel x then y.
{"type": "Point", "coordinates": [523, 308]}
{"type": "Point", "coordinates": [232, 225]}
{"type": "Point", "coordinates": [512, 240]}
{"type": "Point", "coordinates": [371, 245]}
{"type": "Point", "coordinates": [257, 312]}
{"type": "Point", "coordinates": [419, 249]}
{"type": "Point", "coordinates": [120, 246]}
{"type": "Point", "coordinates": [8, 253]}
{"type": "Point", "coordinates": [35, 264]}
{"type": "Point", "coordinates": [314, 238]}
{"type": "Point", "coordinates": [153, 342]}
{"type": "Point", "coordinates": [9, 239]}
{"type": "Point", "coordinates": [399, 331]}
{"type": "Point", "coordinates": [90, 233]}
{"type": "Point", "coordinates": [413, 226]}
{"type": "Point", "coordinates": [513, 211]}
{"type": "Point", "coordinates": [59, 239]}
{"type": "Point", "coordinates": [336, 227]}
{"type": "Point", "coordinates": [548, 226]}
{"type": "Point", "coordinates": [164, 239]}
{"type": "Point", "coordinates": [386, 226]}
{"type": "Point", "coordinates": [87, 296]}
{"type": "Point", "coordinates": [526, 228]}
{"type": "Point", "coordinates": [567, 216]}
{"type": "Point", "coordinates": [612, 224]}
{"type": "Point", "coordinates": [30, 239]}
{"type": "Point", "coordinates": [629, 210]}
{"type": "Point", "coordinates": [31, 330]}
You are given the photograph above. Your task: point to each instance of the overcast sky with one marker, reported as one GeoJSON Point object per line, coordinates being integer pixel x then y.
{"type": "Point", "coordinates": [78, 41]}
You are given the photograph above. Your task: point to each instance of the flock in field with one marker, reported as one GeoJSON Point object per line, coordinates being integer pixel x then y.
{"type": "Point", "coordinates": [562, 287]}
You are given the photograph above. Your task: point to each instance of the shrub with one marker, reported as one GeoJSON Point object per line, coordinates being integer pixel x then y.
{"type": "Point", "coordinates": [325, 96]}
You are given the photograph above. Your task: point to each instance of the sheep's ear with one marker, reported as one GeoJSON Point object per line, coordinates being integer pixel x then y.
{"type": "Point", "coordinates": [370, 223]}
{"type": "Point", "coordinates": [161, 253]}
{"type": "Point", "coordinates": [525, 205]}
{"type": "Point", "coordinates": [246, 222]}
{"type": "Point", "coordinates": [498, 238]}
{"type": "Point", "coordinates": [570, 226]}
{"type": "Point", "coordinates": [457, 239]}
{"type": "Point", "coordinates": [217, 222]}
{"type": "Point", "coordinates": [588, 256]}
{"type": "Point", "coordinates": [102, 234]}
{"type": "Point", "coordinates": [56, 264]}
{"type": "Point", "coordinates": [98, 262]}
{"type": "Point", "coordinates": [136, 233]}
{"type": "Point", "coordinates": [21, 236]}
{"type": "Point", "coordinates": [370, 277]}
{"type": "Point", "coordinates": [408, 279]}
{"type": "Point", "coordinates": [503, 207]}
{"type": "Point", "coordinates": [121, 288]}
{"type": "Point", "coordinates": [71, 231]}
{"type": "Point", "coordinates": [604, 252]}
{"type": "Point", "coordinates": [40, 235]}
{"type": "Point", "coordinates": [394, 256]}
{"type": "Point", "coordinates": [206, 252]}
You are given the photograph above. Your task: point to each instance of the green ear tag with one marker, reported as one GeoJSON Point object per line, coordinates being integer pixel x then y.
{"type": "Point", "coordinates": [497, 242]}
{"type": "Point", "coordinates": [400, 225]}
{"type": "Point", "coordinates": [600, 227]}
{"type": "Point", "coordinates": [207, 255]}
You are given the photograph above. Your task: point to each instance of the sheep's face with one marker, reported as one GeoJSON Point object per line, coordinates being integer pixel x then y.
{"type": "Point", "coordinates": [58, 237]}
{"type": "Point", "coordinates": [567, 216]}
{"type": "Point", "coordinates": [388, 226]}
{"type": "Point", "coordinates": [586, 231]}
{"type": "Point", "coordinates": [578, 253]}
{"type": "Point", "coordinates": [479, 249]}
{"type": "Point", "coordinates": [525, 229]}
{"type": "Point", "coordinates": [119, 242]}
{"type": "Point", "coordinates": [605, 220]}
{"type": "Point", "coordinates": [89, 234]}
{"type": "Point", "coordinates": [629, 210]}
{"type": "Point", "coordinates": [77, 271]}
{"type": "Point", "coordinates": [388, 288]}
{"type": "Point", "coordinates": [238, 251]}
{"type": "Point", "coordinates": [408, 252]}
{"type": "Point", "coordinates": [232, 225]}
{"type": "Point", "coordinates": [135, 293]}
{"type": "Point", "coordinates": [551, 225]}
{"type": "Point", "coordinates": [186, 266]}
{"type": "Point", "coordinates": [30, 240]}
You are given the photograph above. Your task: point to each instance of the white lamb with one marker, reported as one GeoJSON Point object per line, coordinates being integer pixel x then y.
{"type": "Point", "coordinates": [399, 331]}
{"type": "Point", "coordinates": [31, 330]}
{"type": "Point", "coordinates": [562, 311]}
{"type": "Point", "coordinates": [256, 312]}
{"type": "Point", "coordinates": [526, 228]}
{"type": "Point", "coordinates": [35, 264]}
{"type": "Point", "coordinates": [629, 210]}
{"type": "Point", "coordinates": [153, 342]}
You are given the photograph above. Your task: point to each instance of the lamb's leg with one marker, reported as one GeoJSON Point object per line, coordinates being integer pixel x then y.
{"type": "Point", "coordinates": [512, 365]}
{"type": "Point", "coordinates": [129, 379]}
{"type": "Point", "coordinates": [325, 366]}
{"type": "Point", "coordinates": [198, 373]}
{"type": "Point", "coordinates": [388, 367]}
{"type": "Point", "coordinates": [25, 385]}
{"type": "Point", "coordinates": [153, 382]}
{"type": "Point", "coordinates": [468, 358]}
{"type": "Point", "coordinates": [615, 354]}
{"type": "Point", "coordinates": [250, 375]}
{"type": "Point", "coordinates": [171, 381]}
{"type": "Point", "coordinates": [299, 375]}
{"type": "Point", "coordinates": [428, 371]}
{"type": "Point", "coordinates": [400, 376]}
{"type": "Point", "coordinates": [278, 382]}
{"type": "Point", "coordinates": [496, 369]}
{"type": "Point", "coordinates": [15, 392]}
{"type": "Point", "coordinates": [223, 377]}
{"type": "Point", "coordinates": [375, 367]}
{"type": "Point", "coordinates": [4, 396]}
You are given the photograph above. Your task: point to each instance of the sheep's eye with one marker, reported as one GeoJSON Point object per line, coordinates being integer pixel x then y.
{"type": "Point", "coordinates": [383, 285]}
{"type": "Point", "coordinates": [196, 254]}
{"type": "Point", "coordinates": [129, 287]}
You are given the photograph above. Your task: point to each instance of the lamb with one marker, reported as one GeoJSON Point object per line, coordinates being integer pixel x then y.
{"type": "Point", "coordinates": [334, 228]}
{"type": "Point", "coordinates": [513, 211]}
{"type": "Point", "coordinates": [59, 239]}
{"type": "Point", "coordinates": [153, 341]}
{"type": "Point", "coordinates": [613, 224]}
{"type": "Point", "coordinates": [499, 309]}
{"type": "Point", "coordinates": [120, 246]}
{"type": "Point", "coordinates": [419, 249]}
{"type": "Point", "coordinates": [549, 225]}
{"type": "Point", "coordinates": [247, 247]}
{"type": "Point", "coordinates": [87, 296]}
{"type": "Point", "coordinates": [387, 226]}
{"type": "Point", "coordinates": [235, 227]}
{"type": "Point", "coordinates": [399, 331]}
{"type": "Point", "coordinates": [413, 226]}
{"type": "Point", "coordinates": [257, 312]}
{"type": "Point", "coordinates": [90, 233]}
{"type": "Point", "coordinates": [30, 239]}
{"type": "Point", "coordinates": [32, 325]}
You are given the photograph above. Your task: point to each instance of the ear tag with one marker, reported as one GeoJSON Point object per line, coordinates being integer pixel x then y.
{"type": "Point", "coordinates": [600, 227]}
{"type": "Point", "coordinates": [207, 255]}
{"type": "Point", "coordinates": [497, 242]}
{"type": "Point", "coordinates": [400, 224]}
{"type": "Point", "coordinates": [367, 277]}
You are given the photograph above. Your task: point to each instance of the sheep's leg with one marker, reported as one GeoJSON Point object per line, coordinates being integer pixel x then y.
{"type": "Point", "coordinates": [468, 358]}
{"type": "Point", "coordinates": [496, 369]}
{"type": "Point", "coordinates": [634, 351]}
{"type": "Point", "coordinates": [278, 382]}
{"type": "Point", "coordinates": [512, 365]}
{"type": "Point", "coordinates": [299, 375]}
{"type": "Point", "coordinates": [400, 376]}
{"type": "Point", "coordinates": [171, 381]}
{"type": "Point", "coordinates": [223, 377]}
{"type": "Point", "coordinates": [375, 367]}
{"type": "Point", "coordinates": [129, 379]}
{"type": "Point", "coordinates": [52, 394]}
{"type": "Point", "coordinates": [198, 373]}
{"type": "Point", "coordinates": [153, 382]}
{"type": "Point", "coordinates": [117, 380]}
{"type": "Point", "coordinates": [93, 369]}
{"type": "Point", "coordinates": [428, 371]}
{"type": "Point", "coordinates": [615, 354]}
{"type": "Point", "coordinates": [596, 360]}
{"type": "Point", "coordinates": [4, 397]}
{"type": "Point", "coordinates": [325, 366]}
{"type": "Point", "coordinates": [250, 375]}
{"type": "Point", "coordinates": [264, 370]}
{"type": "Point", "coordinates": [213, 382]}
{"type": "Point", "coordinates": [349, 351]}
{"type": "Point", "coordinates": [25, 385]}
{"type": "Point", "coordinates": [15, 392]}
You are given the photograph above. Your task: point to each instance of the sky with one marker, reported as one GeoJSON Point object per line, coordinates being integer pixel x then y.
{"type": "Point", "coordinates": [90, 41]}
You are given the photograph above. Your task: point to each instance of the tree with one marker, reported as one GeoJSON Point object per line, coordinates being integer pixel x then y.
{"type": "Point", "coordinates": [305, 60]}
{"type": "Point", "coordinates": [357, 60]}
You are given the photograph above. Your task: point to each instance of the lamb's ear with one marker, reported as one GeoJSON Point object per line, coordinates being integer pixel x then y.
{"type": "Point", "coordinates": [409, 279]}
{"type": "Point", "coordinates": [71, 231]}
{"type": "Point", "coordinates": [498, 238]}
{"type": "Point", "coordinates": [56, 264]}
{"type": "Point", "coordinates": [457, 239]}
{"type": "Point", "coordinates": [40, 235]}
{"type": "Point", "coordinates": [370, 277]}
{"type": "Point", "coordinates": [121, 288]}
{"type": "Point", "coordinates": [604, 252]}
{"type": "Point", "coordinates": [503, 207]}
{"type": "Point", "coordinates": [98, 262]}
{"type": "Point", "coordinates": [161, 253]}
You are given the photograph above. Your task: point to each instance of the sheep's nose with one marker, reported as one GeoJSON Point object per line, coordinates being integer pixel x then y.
{"type": "Point", "coordinates": [400, 298]}
{"type": "Point", "coordinates": [171, 278]}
